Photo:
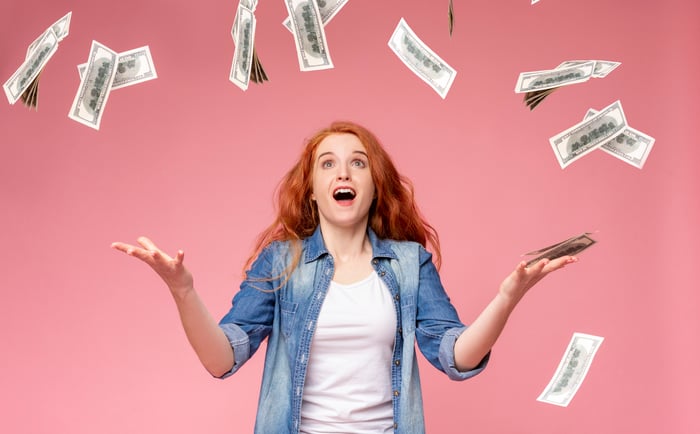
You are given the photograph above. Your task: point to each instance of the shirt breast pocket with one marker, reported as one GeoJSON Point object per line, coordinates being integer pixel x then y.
{"type": "Point", "coordinates": [288, 312]}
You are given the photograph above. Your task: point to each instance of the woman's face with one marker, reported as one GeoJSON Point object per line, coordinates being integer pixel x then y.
{"type": "Point", "coordinates": [342, 183]}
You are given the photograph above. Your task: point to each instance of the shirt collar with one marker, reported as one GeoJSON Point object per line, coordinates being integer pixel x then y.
{"type": "Point", "coordinates": [314, 247]}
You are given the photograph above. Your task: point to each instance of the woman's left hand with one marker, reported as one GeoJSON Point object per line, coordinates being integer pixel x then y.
{"type": "Point", "coordinates": [523, 278]}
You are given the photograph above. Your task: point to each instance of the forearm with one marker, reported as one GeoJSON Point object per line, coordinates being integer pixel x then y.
{"type": "Point", "coordinates": [204, 334]}
{"type": "Point", "coordinates": [476, 341]}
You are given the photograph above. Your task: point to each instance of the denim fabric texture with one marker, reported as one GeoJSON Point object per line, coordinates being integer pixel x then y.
{"type": "Point", "coordinates": [286, 314]}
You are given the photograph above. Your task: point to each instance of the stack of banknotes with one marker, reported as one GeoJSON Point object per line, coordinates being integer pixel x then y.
{"type": "Point", "coordinates": [570, 247]}
{"type": "Point", "coordinates": [246, 66]}
{"type": "Point", "coordinates": [24, 83]}
{"type": "Point", "coordinates": [537, 85]}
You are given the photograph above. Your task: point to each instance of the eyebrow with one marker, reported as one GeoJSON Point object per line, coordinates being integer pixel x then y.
{"type": "Point", "coordinates": [331, 153]}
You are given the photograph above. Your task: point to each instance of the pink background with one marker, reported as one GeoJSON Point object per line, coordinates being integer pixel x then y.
{"type": "Point", "coordinates": [91, 342]}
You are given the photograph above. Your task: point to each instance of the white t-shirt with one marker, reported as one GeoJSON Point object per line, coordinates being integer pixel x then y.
{"type": "Point", "coordinates": [348, 379]}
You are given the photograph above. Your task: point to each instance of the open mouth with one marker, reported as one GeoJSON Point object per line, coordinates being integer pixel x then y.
{"type": "Point", "coordinates": [344, 194]}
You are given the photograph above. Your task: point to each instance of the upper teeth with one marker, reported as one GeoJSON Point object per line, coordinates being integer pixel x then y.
{"type": "Point", "coordinates": [343, 190]}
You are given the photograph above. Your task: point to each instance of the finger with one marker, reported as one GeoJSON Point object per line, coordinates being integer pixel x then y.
{"type": "Point", "coordinates": [538, 270]}
{"type": "Point", "coordinates": [147, 243]}
{"type": "Point", "coordinates": [538, 266]}
{"type": "Point", "coordinates": [129, 249]}
{"type": "Point", "coordinates": [159, 256]}
{"type": "Point", "coordinates": [560, 263]}
{"type": "Point", "coordinates": [122, 247]}
{"type": "Point", "coordinates": [180, 257]}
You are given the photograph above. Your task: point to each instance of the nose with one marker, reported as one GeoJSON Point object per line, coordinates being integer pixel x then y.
{"type": "Point", "coordinates": [343, 173]}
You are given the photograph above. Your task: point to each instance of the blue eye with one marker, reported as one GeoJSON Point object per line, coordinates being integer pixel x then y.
{"type": "Point", "coordinates": [327, 164]}
{"type": "Point", "coordinates": [359, 163]}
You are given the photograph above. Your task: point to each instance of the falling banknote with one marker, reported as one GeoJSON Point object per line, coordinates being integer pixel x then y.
{"type": "Point", "coordinates": [328, 9]}
{"type": "Point", "coordinates": [239, 75]}
{"type": "Point", "coordinates": [133, 67]}
{"type": "Point", "coordinates": [572, 369]}
{"type": "Point", "coordinates": [571, 246]}
{"type": "Point", "coordinates": [537, 85]}
{"type": "Point", "coordinates": [29, 70]}
{"type": "Point", "coordinates": [93, 92]}
{"type": "Point", "coordinates": [309, 36]}
{"type": "Point", "coordinates": [421, 60]}
{"type": "Point", "coordinates": [589, 134]}
{"type": "Point", "coordinates": [243, 53]}
{"type": "Point", "coordinates": [24, 83]}
{"type": "Point", "coordinates": [631, 146]}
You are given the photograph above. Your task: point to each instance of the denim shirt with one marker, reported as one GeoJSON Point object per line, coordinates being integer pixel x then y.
{"type": "Point", "coordinates": [286, 312]}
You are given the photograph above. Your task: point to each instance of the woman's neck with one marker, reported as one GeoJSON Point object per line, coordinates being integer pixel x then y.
{"type": "Point", "coordinates": [346, 244]}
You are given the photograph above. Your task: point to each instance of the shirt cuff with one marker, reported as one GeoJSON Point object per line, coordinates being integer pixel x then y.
{"type": "Point", "coordinates": [447, 356]}
{"type": "Point", "coordinates": [240, 344]}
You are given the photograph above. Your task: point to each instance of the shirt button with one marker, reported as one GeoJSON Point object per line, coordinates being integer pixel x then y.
{"type": "Point", "coordinates": [396, 425]}
{"type": "Point", "coordinates": [396, 393]}
{"type": "Point", "coordinates": [382, 273]}
{"type": "Point", "coordinates": [397, 297]}
{"type": "Point", "coordinates": [397, 362]}
{"type": "Point", "coordinates": [375, 261]}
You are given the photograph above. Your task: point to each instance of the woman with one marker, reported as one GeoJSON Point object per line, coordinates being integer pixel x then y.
{"type": "Point", "coordinates": [343, 287]}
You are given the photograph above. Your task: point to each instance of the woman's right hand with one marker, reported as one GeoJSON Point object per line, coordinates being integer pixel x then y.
{"type": "Point", "coordinates": [171, 270]}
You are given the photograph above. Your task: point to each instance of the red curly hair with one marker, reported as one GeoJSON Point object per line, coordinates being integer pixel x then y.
{"type": "Point", "coordinates": [393, 215]}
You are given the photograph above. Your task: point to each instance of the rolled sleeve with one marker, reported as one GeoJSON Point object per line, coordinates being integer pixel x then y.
{"type": "Point", "coordinates": [240, 344]}
{"type": "Point", "coordinates": [447, 356]}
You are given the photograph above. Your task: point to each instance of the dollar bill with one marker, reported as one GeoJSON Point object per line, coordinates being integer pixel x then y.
{"type": "Point", "coordinates": [327, 8]}
{"type": "Point", "coordinates": [545, 79]}
{"type": "Point", "coordinates": [257, 72]}
{"type": "Point", "coordinates": [243, 54]}
{"type": "Point", "coordinates": [309, 36]}
{"type": "Point", "coordinates": [23, 77]}
{"type": "Point", "coordinates": [572, 369]}
{"type": "Point", "coordinates": [61, 28]}
{"type": "Point", "coordinates": [93, 92]}
{"type": "Point", "coordinates": [631, 146]}
{"type": "Point", "coordinates": [420, 59]}
{"type": "Point", "coordinates": [587, 135]}
{"type": "Point", "coordinates": [133, 67]}
{"type": "Point", "coordinates": [572, 246]}
{"type": "Point", "coordinates": [248, 4]}
{"type": "Point", "coordinates": [30, 97]}
{"type": "Point", "coordinates": [602, 67]}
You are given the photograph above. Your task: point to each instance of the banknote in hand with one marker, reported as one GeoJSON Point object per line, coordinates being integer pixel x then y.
{"type": "Point", "coordinates": [571, 246]}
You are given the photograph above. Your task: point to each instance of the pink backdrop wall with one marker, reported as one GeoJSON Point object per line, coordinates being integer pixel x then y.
{"type": "Point", "coordinates": [91, 342]}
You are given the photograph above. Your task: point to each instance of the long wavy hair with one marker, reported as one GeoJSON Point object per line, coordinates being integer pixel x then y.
{"type": "Point", "coordinates": [394, 213]}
